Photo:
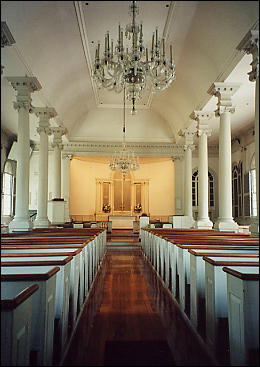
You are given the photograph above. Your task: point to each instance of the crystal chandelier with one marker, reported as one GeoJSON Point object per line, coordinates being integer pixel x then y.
{"type": "Point", "coordinates": [124, 160]}
{"type": "Point", "coordinates": [129, 63]}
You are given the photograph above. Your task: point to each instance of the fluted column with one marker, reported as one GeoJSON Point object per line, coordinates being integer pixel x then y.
{"type": "Point", "coordinates": [24, 86]}
{"type": "Point", "coordinates": [44, 114]}
{"type": "Point", "coordinates": [202, 118]}
{"type": "Point", "coordinates": [189, 134]}
{"type": "Point", "coordinates": [57, 146]}
{"type": "Point", "coordinates": [250, 45]}
{"type": "Point", "coordinates": [224, 92]}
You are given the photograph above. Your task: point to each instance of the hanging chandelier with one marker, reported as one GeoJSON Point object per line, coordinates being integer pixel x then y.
{"type": "Point", "coordinates": [129, 63]}
{"type": "Point", "coordinates": [124, 160]}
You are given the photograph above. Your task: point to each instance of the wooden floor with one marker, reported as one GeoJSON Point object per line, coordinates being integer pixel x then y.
{"type": "Point", "coordinates": [130, 319]}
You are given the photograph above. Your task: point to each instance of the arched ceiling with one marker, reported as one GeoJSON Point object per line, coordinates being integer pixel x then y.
{"type": "Point", "coordinates": [55, 42]}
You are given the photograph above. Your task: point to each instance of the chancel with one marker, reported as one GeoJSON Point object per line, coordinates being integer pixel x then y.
{"type": "Point", "coordinates": [130, 183]}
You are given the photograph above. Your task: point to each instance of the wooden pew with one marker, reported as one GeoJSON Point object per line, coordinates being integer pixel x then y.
{"type": "Point", "coordinates": [16, 319]}
{"type": "Point", "coordinates": [96, 245]}
{"type": "Point", "coordinates": [87, 253]}
{"type": "Point", "coordinates": [62, 291]}
{"type": "Point", "coordinates": [43, 306]}
{"type": "Point", "coordinates": [197, 278]}
{"type": "Point", "coordinates": [243, 314]}
{"type": "Point", "coordinates": [76, 287]}
{"type": "Point", "coordinates": [91, 251]}
{"type": "Point", "coordinates": [183, 265]}
{"type": "Point", "coordinates": [216, 302]}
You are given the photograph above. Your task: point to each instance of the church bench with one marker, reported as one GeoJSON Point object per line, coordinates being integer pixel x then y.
{"type": "Point", "coordinates": [62, 289]}
{"type": "Point", "coordinates": [97, 247]}
{"type": "Point", "coordinates": [216, 302]}
{"type": "Point", "coordinates": [154, 250]}
{"type": "Point", "coordinates": [243, 314]}
{"type": "Point", "coordinates": [149, 238]}
{"type": "Point", "coordinates": [94, 251]}
{"type": "Point", "coordinates": [196, 269]}
{"type": "Point", "coordinates": [76, 278]}
{"type": "Point", "coordinates": [175, 263]}
{"type": "Point", "coordinates": [16, 319]}
{"type": "Point", "coordinates": [183, 258]}
{"type": "Point", "coordinates": [43, 306]}
{"type": "Point", "coordinates": [99, 232]}
{"type": "Point", "coordinates": [87, 252]}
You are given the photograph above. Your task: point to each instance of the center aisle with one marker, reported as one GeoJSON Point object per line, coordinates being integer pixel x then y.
{"type": "Point", "coordinates": [130, 319]}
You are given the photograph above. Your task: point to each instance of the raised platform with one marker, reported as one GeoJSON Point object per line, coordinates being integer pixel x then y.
{"type": "Point", "coordinates": [122, 222]}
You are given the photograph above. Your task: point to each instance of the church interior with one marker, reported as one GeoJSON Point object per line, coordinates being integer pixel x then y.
{"type": "Point", "coordinates": [130, 183]}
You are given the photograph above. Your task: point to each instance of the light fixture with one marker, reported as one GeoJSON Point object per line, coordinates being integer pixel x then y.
{"type": "Point", "coordinates": [124, 160]}
{"type": "Point", "coordinates": [129, 63]}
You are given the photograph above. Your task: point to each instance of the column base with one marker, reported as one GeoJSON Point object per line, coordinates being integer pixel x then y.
{"type": "Point", "coordinates": [203, 223]}
{"type": "Point", "coordinates": [223, 224]}
{"type": "Point", "coordinates": [20, 224]}
{"type": "Point", "coordinates": [254, 228]}
{"type": "Point", "coordinates": [41, 223]}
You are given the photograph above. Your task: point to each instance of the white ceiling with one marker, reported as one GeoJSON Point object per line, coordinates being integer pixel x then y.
{"type": "Point", "coordinates": [56, 40]}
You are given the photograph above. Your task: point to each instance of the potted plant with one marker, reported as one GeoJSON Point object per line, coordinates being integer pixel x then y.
{"type": "Point", "coordinates": [106, 208]}
{"type": "Point", "coordinates": [138, 208]}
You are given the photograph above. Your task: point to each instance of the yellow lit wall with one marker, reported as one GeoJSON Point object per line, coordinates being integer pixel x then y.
{"type": "Point", "coordinates": [85, 170]}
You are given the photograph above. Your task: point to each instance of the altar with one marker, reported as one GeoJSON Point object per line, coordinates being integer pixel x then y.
{"type": "Point", "coordinates": [122, 222]}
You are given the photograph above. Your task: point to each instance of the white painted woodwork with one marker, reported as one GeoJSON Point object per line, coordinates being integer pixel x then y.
{"type": "Point", "coordinates": [16, 326]}
{"type": "Point", "coordinates": [43, 308]}
{"type": "Point", "coordinates": [243, 313]}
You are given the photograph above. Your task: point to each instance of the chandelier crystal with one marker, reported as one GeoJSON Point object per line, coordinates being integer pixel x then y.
{"type": "Point", "coordinates": [124, 160]}
{"type": "Point", "coordinates": [130, 64]}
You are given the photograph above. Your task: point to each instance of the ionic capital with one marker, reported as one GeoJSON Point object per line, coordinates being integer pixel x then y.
{"type": "Point", "coordinates": [202, 130]}
{"type": "Point", "coordinates": [250, 45]}
{"type": "Point", "coordinates": [190, 147]}
{"type": "Point", "coordinates": [57, 136]}
{"type": "Point", "coordinates": [189, 133]}
{"type": "Point", "coordinates": [44, 113]}
{"type": "Point", "coordinates": [25, 104]}
{"type": "Point", "coordinates": [202, 117]}
{"type": "Point", "coordinates": [68, 156]}
{"type": "Point", "coordinates": [224, 92]}
{"type": "Point", "coordinates": [44, 129]}
{"type": "Point", "coordinates": [24, 84]}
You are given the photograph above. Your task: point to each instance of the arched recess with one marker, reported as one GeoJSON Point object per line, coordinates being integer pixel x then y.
{"type": "Point", "coordinates": [123, 196]}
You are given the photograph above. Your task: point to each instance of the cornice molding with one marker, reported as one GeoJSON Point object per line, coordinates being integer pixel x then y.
{"type": "Point", "coordinates": [175, 151]}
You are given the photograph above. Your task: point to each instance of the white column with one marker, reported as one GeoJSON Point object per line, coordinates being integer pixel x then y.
{"type": "Point", "coordinates": [57, 145]}
{"type": "Point", "coordinates": [66, 185]}
{"type": "Point", "coordinates": [56, 211]}
{"type": "Point", "coordinates": [224, 92]}
{"type": "Point", "coordinates": [250, 45]}
{"type": "Point", "coordinates": [24, 87]}
{"type": "Point", "coordinates": [188, 147]}
{"type": "Point", "coordinates": [44, 114]}
{"type": "Point", "coordinates": [202, 118]}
